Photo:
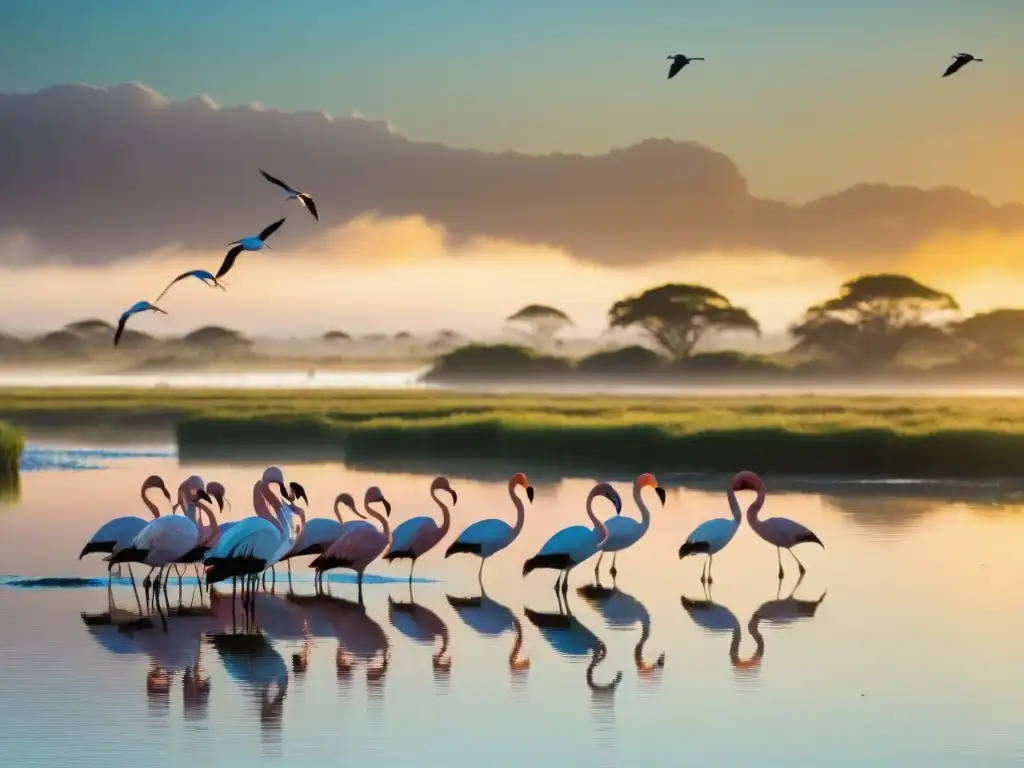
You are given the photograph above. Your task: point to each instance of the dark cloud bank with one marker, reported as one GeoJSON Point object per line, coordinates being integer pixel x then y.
{"type": "Point", "coordinates": [99, 174]}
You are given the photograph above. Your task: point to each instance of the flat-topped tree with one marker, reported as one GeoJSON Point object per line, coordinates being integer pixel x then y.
{"type": "Point", "coordinates": [678, 315]}
{"type": "Point", "coordinates": [993, 337]}
{"type": "Point", "coordinates": [873, 320]}
{"type": "Point", "coordinates": [216, 336]}
{"type": "Point", "coordinates": [91, 327]}
{"type": "Point", "coordinates": [541, 321]}
{"type": "Point", "coordinates": [336, 336]}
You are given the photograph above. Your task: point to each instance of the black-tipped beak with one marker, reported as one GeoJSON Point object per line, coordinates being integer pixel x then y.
{"type": "Point", "coordinates": [202, 495]}
{"type": "Point", "coordinates": [220, 503]}
{"type": "Point", "coordinates": [284, 491]}
{"type": "Point", "coordinates": [166, 492]}
{"type": "Point", "coordinates": [661, 494]}
{"type": "Point", "coordinates": [298, 492]}
{"type": "Point", "coordinates": [617, 501]}
{"type": "Point", "coordinates": [455, 496]}
{"type": "Point", "coordinates": [529, 493]}
{"type": "Point", "coordinates": [387, 506]}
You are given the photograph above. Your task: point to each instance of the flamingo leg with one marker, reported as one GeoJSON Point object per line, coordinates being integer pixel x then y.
{"type": "Point", "coordinates": [180, 574]}
{"type": "Point", "coordinates": [558, 579]}
{"type": "Point", "coordinates": [480, 573]}
{"type": "Point", "coordinates": [565, 583]}
{"type": "Point", "coordinates": [798, 563]}
{"type": "Point", "coordinates": [778, 551]}
{"type": "Point", "coordinates": [289, 574]}
{"type": "Point", "coordinates": [597, 569]}
{"type": "Point", "coordinates": [711, 560]}
{"type": "Point", "coordinates": [273, 577]}
{"type": "Point", "coordinates": [703, 573]}
{"type": "Point", "coordinates": [412, 567]}
{"type": "Point", "coordinates": [359, 583]}
{"type": "Point", "coordinates": [613, 571]}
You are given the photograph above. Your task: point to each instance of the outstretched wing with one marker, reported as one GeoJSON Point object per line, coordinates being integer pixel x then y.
{"type": "Point", "coordinates": [179, 277]}
{"type": "Point", "coordinates": [270, 230]}
{"type": "Point", "coordinates": [279, 183]}
{"type": "Point", "coordinates": [310, 205]}
{"type": "Point", "coordinates": [954, 67]}
{"type": "Point", "coordinates": [677, 64]}
{"type": "Point", "coordinates": [229, 261]}
{"type": "Point", "coordinates": [120, 327]}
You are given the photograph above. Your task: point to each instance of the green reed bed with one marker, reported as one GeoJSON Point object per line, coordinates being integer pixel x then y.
{"type": "Point", "coordinates": [12, 442]}
{"type": "Point", "coordinates": [922, 437]}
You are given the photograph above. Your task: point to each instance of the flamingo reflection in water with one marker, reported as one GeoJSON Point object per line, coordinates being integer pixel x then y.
{"type": "Point", "coordinates": [489, 618]}
{"type": "Point", "coordinates": [569, 637]}
{"type": "Point", "coordinates": [622, 611]}
{"type": "Point", "coordinates": [360, 638]}
{"type": "Point", "coordinates": [195, 688]}
{"type": "Point", "coordinates": [422, 625]}
{"type": "Point", "coordinates": [254, 664]}
{"type": "Point", "coordinates": [715, 617]}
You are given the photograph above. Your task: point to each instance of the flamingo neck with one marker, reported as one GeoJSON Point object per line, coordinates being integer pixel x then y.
{"type": "Point", "coordinates": [188, 508]}
{"type": "Point", "coordinates": [153, 508]}
{"type": "Point", "coordinates": [599, 654]}
{"type": "Point", "coordinates": [446, 514]}
{"type": "Point", "coordinates": [259, 504]}
{"type": "Point", "coordinates": [514, 662]}
{"type": "Point", "coordinates": [734, 646]}
{"type": "Point", "coordinates": [645, 512]}
{"type": "Point", "coordinates": [337, 512]}
{"type": "Point", "coordinates": [734, 506]}
{"type": "Point", "coordinates": [755, 508]}
{"type": "Point", "coordinates": [385, 528]}
{"type": "Point", "coordinates": [439, 661]}
{"type": "Point", "coordinates": [210, 532]}
{"type": "Point", "coordinates": [520, 511]}
{"type": "Point", "coordinates": [600, 527]}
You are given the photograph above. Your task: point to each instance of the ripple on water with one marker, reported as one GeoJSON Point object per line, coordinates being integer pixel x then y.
{"type": "Point", "coordinates": [36, 458]}
{"type": "Point", "coordinates": [13, 581]}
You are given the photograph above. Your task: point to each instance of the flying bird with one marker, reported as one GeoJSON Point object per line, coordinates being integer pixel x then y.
{"type": "Point", "coordinates": [201, 274]}
{"type": "Point", "coordinates": [679, 61]}
{"type": "Point", "coordinates": [960, 61]}
{"type": "Point", "coordinates": [302, 197]}
{"type": "Point", "coordinates": [139, 306]}
{"type": "Point", "coordinates": [252, 243]}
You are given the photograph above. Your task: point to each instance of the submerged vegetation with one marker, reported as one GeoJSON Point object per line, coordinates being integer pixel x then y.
{"type": "Point", "coordinates": [921, 437]}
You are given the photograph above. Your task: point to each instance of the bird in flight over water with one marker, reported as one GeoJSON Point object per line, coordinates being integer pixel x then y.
{"type": "Point", "coordinates": [202, 274]}
{"type": "Point", "coordinates": [251, 243]}
{"type": "Point", "coordinates": [139, 306]}
{"type": "Point", "coordinates": [961, 60]}
{"type": "Point", "coordinates": [679, 61]}
{"type": "Point", "coordinates": [302, 197]}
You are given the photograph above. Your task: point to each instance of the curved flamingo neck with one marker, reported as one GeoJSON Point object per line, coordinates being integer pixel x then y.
{"type": "Point", "coordinates": [209, 533]}
{"type": "Point", "coordinates": [599, 654]}
{"type": "Point", "coordinates": [385, 528]}
{"type": "Point", "coordinates": [514, 662]}
{"type": "Point", "coordinates": [446, 514]}
{"type": "Point", "coordinates": [754, 509]}
{"type": "Point", "coordinates": [520, 510]}
{"type": "Point", "coordinates": [734, 646]}
{"type": "Point", "coordinates": [337, 512]}
{"type": "Point", "coordinates": [440, 662]}
{"type": "Point", "coordinates": [259, 504]}
{"type": "Point", "coordinates": [645, 512]}
{"type": "Point", "coordinates": [153, 508]}
{"type": "Point", "coordinates": [734, 506]}
{"type": "Point", "coordinates": [600, 527]}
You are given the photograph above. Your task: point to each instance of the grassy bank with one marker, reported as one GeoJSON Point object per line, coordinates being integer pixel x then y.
{"type": "Point", "coordinates": [12, 442]}
{"type": "Point", "coordinates": [925, 437]}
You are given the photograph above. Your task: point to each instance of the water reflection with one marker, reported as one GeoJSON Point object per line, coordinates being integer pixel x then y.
{"type": "Point", "coordinates": [489, 618]}
{"type": "Point", "coordinates": [623, 611]}
{"type": "Point", "coordinates": [716, 618]}
{"type": "Point", "coordinates": [252, 661]}
{"type": "Point", "coordinates": [422, 625]}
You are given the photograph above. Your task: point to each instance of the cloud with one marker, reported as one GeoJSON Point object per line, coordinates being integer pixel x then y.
{"type": "Point", "coordinates": [93, 175]}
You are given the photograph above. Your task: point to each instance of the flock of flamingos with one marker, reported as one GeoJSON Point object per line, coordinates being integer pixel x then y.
{"type": "Point", "coordinates": [245, 550]}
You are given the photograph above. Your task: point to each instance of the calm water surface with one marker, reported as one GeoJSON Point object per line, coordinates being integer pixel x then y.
{"type": "Point", "coordinates": [900, 647]}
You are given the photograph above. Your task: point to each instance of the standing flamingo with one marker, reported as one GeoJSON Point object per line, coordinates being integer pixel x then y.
{"type": "Point", "coordinates": [418, 535]}
{"type": "Point", "coordinates": [711, 537]}
{"type": "Point", "coordinates": [208, 535]}
{"type": "Point", "coordinates": [624, 532]}
{"type": "Point", "coordinates": [160, 544]}
{"type": "Point", "coordinates": [571, 546]}
{"type": "Point", "coordinates": [489, 618]}
{"type": "Point", "coordinates": [781, 532]}
{"type": "Point", "coordinates": [296, 492]}
{"type": "Point", "coordinates": [485, 538]}
{"type": "Point", "coordinates": [359, 547]}
{"type": "Point", "coordinates": [119, 532]}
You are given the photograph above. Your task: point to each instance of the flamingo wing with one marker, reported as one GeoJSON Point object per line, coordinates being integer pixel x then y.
{"type": "Point", "coordinates": [229, 261]}
{"type": "Point", "coordinates": [357, 545]}
{"type": "Point", "coordinates": [783, 532]}
{"type": "Point", "coordinates": [622, 532]}
{"type": "Point", "coordinates": [310, 205]}
{"type": "Point", "coordinates": [483, 532]}
{"type": "Point", "coordinates": [677, 64]}
{"type": "Point", "coordinates": [710, 616]}
{"type": "Point", "coordinates": [271, 229]}
{"type": "Point", "coordinates": [120, 530]}
{"type": "Point", "coordinates": [278, 182]}
{"type": "Point", "coordinates": [956, 65]}
{"type": "Point", "coordinates": [568, 541]}
{"type": "Point", "coordinates": [405, 534]}
{"type": "Point", "coordinates": [715, 533]}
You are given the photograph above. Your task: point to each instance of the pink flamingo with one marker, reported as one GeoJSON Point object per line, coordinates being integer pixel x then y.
{"type": "Point", "coordinates": [359, 547]}
{"type": "Point", "coordinates": [780, 532]}
{"type": "Point", "coordinates": [208, 535]}
{"type": "Point", "coordinates": [418, 535]}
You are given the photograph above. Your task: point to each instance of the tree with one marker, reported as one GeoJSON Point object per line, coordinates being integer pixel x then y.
{"type": "Point", "coordinates": [678, 315]}
{"type": "Point", "coordinates": [542, 322]}
{"type": "Point", "coordinates": [994, 337]}
{"type": "Point", "coordinates": [873, 320]}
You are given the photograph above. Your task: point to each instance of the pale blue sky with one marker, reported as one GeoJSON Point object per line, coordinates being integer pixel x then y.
{"type": "Point", "coordinates": [806, 95]}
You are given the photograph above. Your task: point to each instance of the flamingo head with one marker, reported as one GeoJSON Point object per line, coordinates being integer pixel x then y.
{"type": "Point", "coordinates": [648, 480]}
{"type": "Point", "coordinates": [441, 484]}
{"type": "Point", "coordinates": [747, 481]}
{"type": "Point", "coordinates": [155, 481]}
{"type": "Point", "coordinates": [606, 490]}
{"type": "Point", "coordinates": [217, 491]}
{"type": "Point", "coordinates": [274, 475]}
{"type": "Point", "coordinates": [202, 495]}
{"type": "Point", "coordinates": [347, 500]}
{"type": "Point", "coordinates": [297, 492]}
{"type": "Point", "coordinates": [374, 494]}
{"type": "Point", "coordinates": [520, 479]}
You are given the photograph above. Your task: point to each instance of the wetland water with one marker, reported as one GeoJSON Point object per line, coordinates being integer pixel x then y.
{"type": "Point", "coordinates": [911, 657]}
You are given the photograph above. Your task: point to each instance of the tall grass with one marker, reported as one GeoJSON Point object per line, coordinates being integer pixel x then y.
{"type": "Point", "coordinates": [12, 443]}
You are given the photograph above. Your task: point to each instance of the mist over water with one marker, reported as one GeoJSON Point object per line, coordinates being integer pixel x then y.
{"type": "Point", "coordinates": [899, 647]}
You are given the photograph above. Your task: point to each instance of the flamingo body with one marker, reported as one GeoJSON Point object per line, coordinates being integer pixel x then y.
{"type": "Point", "coordinates": [249, 547]}
{"type": "Point", "coordinates": [356, 549]}
{"type": "Point", "coordinates": [484, 538]}
{"type": "Point", "coordinates": [318, 534]}
{"type": "Point", "coordinates": [161, 542]}
{"type": "Point", "coordinates": [114, 534]}
{"type": "Point", "coordinates": [710, 537]}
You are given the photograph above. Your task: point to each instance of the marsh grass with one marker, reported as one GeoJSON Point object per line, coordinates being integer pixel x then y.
{"type": "Point", "coordinates": [885, 436]}
{"type": "Point", "coordinates": [12, 443]}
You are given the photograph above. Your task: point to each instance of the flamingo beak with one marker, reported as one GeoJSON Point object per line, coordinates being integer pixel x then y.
{"type": "Point", "coordinates": [455, 496]}
{"type": "Point", "coordinates": [661, 494]}
{"type": "Point", "coordinates": [202, 495]}
{"type": "Point", "coordinates": [617, 501]}
{"type": "Point", "coordinates": [387, 506]}
{"type": "Point", "coordinates": [529, 493]}
{"type": "Point", "coordinates": [166, 492]}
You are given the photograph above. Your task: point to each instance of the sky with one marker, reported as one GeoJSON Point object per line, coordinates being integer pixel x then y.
{"type": "Point", "coordinates": [427, 224]}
